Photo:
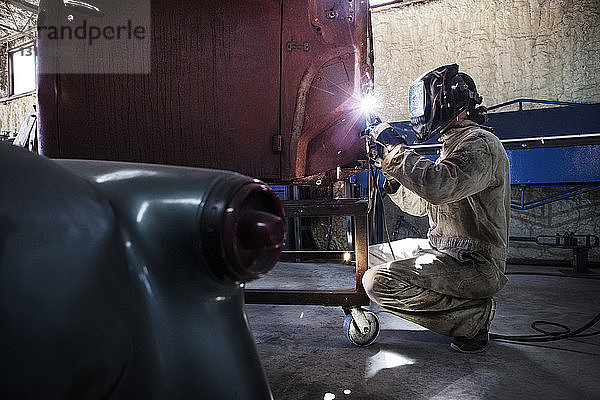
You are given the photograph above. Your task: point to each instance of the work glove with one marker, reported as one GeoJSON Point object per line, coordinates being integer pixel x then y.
{"type": "Point", "coordinates": [382, 137]}
{"type": "Point", "coordinates": [385, 135]}
{"type": "Point", "coordinates": [390, 185]}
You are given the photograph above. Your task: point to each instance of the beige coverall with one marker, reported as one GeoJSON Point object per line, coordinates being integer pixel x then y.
{"type": "Point", "coordinates": [445, 283]}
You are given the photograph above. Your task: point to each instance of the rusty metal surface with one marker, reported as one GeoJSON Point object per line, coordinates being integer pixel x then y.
{"type": "Point", "coordinates": [344, 298]}
{"type": "Point", "coordinates": [324, 208]}
{"type": "Point", "coordinates": [228, 80]}
{"type": "Point", "coordinates": [323, 85]}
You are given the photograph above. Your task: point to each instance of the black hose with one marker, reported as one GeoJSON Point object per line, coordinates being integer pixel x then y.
{"type": "Point", "coordinates": [594, 277]}
{"type": "Point", "coordinates": [385, 227]}
{"type": "Point", "coordinates": [548, 336]}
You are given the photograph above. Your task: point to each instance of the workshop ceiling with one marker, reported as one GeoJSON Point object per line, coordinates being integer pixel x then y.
{"type": "Point", "coordinates": [16, 18]}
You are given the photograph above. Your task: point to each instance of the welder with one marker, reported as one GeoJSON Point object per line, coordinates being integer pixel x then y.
{"type": "Point", "coordinates": [445, 282]}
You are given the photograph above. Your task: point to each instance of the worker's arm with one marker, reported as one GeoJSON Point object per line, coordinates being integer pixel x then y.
{"type": "Point", "coordinates": [464, 172]}
{"type": "Point", "coordinates": [409, 202]}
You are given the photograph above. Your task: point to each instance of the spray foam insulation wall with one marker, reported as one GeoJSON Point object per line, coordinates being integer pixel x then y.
{"type": "Point", "coordinates": [520, 48]}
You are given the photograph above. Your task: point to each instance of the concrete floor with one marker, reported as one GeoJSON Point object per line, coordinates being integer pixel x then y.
{"type": "Point", "coordinates": [306, 355]}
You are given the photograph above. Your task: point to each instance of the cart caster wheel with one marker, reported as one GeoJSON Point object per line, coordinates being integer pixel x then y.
{"type": "Point", "coordinates": [367, 335]}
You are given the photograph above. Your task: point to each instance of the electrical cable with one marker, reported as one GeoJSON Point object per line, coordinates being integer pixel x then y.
{"type": "Point", "coordinates": [593, 277]}
{"type": "Point", "coordinates": [535, 327]}
{"type": "Point", "coordinates": [589, 334]}
{"type": "Point", "coordinates": [566, 330]}
{"type": "Point", "coordinates": [548, 336]}
{"type": "Point", "coordinates": [370, 205]}
{"type": "Point", "coordinates": [385, 227]}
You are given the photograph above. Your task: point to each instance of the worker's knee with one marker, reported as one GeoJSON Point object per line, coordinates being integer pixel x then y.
{"type": "Point", "coordinates": [369, 281]}
{"type": "Point", "coordinates": [382, 286]}
{"type": "Point", "coordinates": [373, 283]}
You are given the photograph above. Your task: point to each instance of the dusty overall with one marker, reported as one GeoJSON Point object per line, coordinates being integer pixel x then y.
{"type": "Point", "coordinates": [445, 283]}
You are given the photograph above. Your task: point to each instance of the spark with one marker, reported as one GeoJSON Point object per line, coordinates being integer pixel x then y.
{"type": "Point", "coordinates": [369, 104]}
{"type": "Point", "coordinates": [347, 256]}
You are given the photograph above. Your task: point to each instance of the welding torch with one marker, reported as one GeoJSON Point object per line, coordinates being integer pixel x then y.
{"type": "Point", "coordinates": [381, 136]}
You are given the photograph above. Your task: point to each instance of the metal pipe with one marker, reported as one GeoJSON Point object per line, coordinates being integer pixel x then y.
{"type": "Point", "coordinates": [572, 190]}
{"type": "Point", "coordinates": [536, 204]}
{"type": "Point", "coordinates": [25, 6]}
{"type": "Point", "coordinates": [14, 36]}
{"type": "Point", "coordinates": [592, 138]}
{"type": "Point", "coordinates": [552, 141]}
{"type": "Point", "coordinates": [536, 101]}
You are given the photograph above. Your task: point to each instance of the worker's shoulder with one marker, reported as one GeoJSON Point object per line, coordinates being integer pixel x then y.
{"type": "Point", "coordinates": [484, 135]}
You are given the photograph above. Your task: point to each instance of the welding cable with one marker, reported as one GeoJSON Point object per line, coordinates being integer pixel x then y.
{"type": "Point", "coordinates": [549, 336]}
{"type": "Point", "coordinates": [535, 327]}
{"type": "Point", "coordinates": [385, 227]}
{"type": "Point", "coordinates": [375, 176]}
{"type": "Point", "coordinates": [594, 277]}
{"type": "Point", "coordinates": [370, 190]}
{"type": "Point", "coordinates": [565, 328]}
{"type": "Point", "coordinates": [588, 334]}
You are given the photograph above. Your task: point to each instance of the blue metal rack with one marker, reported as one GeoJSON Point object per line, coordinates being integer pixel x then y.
{"type": "Point", "coordinates": [552, 147]}
{"type": "Point", "coordinates": [556, 146]}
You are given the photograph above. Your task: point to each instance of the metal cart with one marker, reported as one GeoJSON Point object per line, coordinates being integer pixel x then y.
{"type": "Point", "coordinates": [361, 326]}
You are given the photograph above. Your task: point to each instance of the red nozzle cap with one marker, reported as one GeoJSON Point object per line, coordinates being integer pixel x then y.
{"type": "Point", "coordinates": [254, 231]}
{"type": "Point", "coordinates": [259, 230]}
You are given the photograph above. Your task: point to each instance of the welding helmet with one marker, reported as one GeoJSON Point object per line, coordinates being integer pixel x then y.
{"type": "Point", "coordinates": [437, 97]}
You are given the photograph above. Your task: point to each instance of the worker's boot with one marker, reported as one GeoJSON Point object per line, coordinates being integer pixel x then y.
{"type": "Point", "coordinates": [479, 342]}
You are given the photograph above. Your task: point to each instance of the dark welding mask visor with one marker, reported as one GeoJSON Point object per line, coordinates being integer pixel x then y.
{"type": "Point", "coordinates": [432, 103]}
{"type": "Point", "coordinates": [416, 100]}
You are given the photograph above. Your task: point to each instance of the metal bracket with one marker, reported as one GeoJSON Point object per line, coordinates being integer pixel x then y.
{"type": "Point", "coordinates": [569, 240]}
{"type": "Point", "coordinates": [276, 143]}
{"type": "Point", "coordinates": [293, 45]}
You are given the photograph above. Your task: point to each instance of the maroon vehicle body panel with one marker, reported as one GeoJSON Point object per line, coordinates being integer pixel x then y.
{"type": "Point", "coordinates": [268, 88]}
{"type": "Point", "coordinates": [323, 85]}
